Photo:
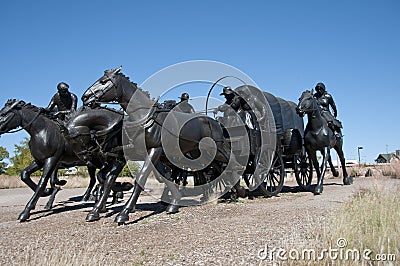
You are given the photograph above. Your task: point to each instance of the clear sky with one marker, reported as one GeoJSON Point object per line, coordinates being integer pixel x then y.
{"type": "Point", "coordinates": [284, 46]}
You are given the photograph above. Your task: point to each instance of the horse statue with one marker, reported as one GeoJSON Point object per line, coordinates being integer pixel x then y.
{"type": "Point", "coordinates": [52, 147]}
{"type": "Point", "coordinates": [113, 86]}
{"type": "Point", "coordinates": [319, 137]}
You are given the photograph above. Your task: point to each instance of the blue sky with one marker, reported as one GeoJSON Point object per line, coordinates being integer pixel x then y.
{"type": "Point", "coordinates": [284, 46]}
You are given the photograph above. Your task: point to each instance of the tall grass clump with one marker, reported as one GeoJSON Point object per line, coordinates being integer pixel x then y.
{"type": "Point", "coordinates": [371, 220]}
{"type": "Point", "coordinates": [78, 252]}
{"type": "Point", "coordinates": [392, 170]}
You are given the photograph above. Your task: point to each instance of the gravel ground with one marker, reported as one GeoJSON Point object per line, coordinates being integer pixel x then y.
{"type": "Point", "coordinates": [212, 234]}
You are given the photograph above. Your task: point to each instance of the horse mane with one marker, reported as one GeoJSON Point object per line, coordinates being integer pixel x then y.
{"type": "Point", "coordinates": [29, 106]}
{"type": "Point", "coordinates": [147, 93]}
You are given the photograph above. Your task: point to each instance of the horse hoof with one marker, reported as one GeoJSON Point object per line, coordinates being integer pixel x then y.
{"type": "Point", "coordinates": [126, 186]}
{"type": "Point", "coordinates": [92, 216]}
{"type": "Point", "coordinates": [121, 219]}
{"type": "Point", "coordinates": [23, 217]}
{"type": "Point", "coordinates": [347, 181]}
{"type": "Point", "coordinates": [171, 209]}
{"type": "Point", "coordinates": [318, 190]}
{"type": "Point", "coordinates": [241, 192]}
{"type": "Point", "coordinates": [61, 182]}
{"type": "Point", "coordinates": [47, 192]}
{"type": "Point", "coordinates": [335, 174]}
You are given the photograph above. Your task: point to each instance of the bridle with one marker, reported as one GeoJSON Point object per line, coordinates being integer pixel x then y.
{"type": "Point", "coordinates": [24, 127]}
{"type": "Point", "coordinates": [310, 98]}
{"type": "Point", "coordinates": [98, 95]}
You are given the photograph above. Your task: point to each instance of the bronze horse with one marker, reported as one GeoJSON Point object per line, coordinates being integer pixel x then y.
{"type": "Point", "coordinates": [115, 87]}
{"type": "Point", "coordinates": [319, 137]}
{"type": "Point", "coordinates": [51, 148]}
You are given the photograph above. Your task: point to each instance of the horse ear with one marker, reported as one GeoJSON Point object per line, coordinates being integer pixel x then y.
{"type": "Point", "coordinates": [118, 70]}
{"type": "Point", "coordinates": [15, 104]}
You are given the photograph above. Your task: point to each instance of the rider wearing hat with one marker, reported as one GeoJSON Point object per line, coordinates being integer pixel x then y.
{"type": "Point", "coordinates": [231, 101]}
{"type": "Point", "coordinates": [325, 100]}
{"type": "Point", "coordinates": [64, 100]}
{"type": "Point", "coordinates": [184, 105]}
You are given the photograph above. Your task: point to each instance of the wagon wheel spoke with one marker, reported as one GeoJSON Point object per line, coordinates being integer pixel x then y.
{"type": "Point", "coordinates": [274, 181]}
{"type": "Point", "coordinates": [303, 171]}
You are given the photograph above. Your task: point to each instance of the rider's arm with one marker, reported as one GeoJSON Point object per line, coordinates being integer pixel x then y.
{"type": "Point", "coordinates": [51, 105]}
{"type": "Point", "coordinates": [333, 105]}
{"type": "Point", "coordinates": [74, 102]}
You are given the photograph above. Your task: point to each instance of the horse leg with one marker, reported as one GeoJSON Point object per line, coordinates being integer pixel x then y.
{"type": "Point", "coordinates": [325, 157]}
{"type": "Point", "coordinates": [101, 178]}
{"type": "Point", "coordinates": [54, 180]}
{"type": "Point", "coordinates": [92, 182]}
{"type": "Point", "coordinates": [313, 156]}
{"type": "Point", "coordinates": [239, 190]}
{"type": "Point", "coordinates": [173, 207]}
{"type": "Point", "coordinates": [346, 179]}
{"type": "Point", "coordinates": [116, 168]}
{"type": "Point", "coordinates": [154, 155]}
{"type": "Point", "coordinates": [26, 174]}
{"type": "Point", "coordinates": [49, 166]}
{"type": "Point", "coordinates": [55, 188]}
{"type": "Point", "coordinates": [335, 172]}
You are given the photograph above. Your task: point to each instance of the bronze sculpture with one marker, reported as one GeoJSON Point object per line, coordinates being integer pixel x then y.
{"type": "Point", "coordinates": [114, 86]}
{"type": "Point", "coordinates": [63, 102]}
{"type": "Point", "coordinates": [52, 148]}
{"type": "Point", "coordinates": [184, 104]}
{"type": "Point", "coordinates": [325, 100]}
{"type": "Point", "coordinates": [319, 137]}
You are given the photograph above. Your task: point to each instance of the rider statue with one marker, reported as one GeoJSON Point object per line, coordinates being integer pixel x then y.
{"type": "Point", "coordinates": [184, 105]}
{"type": "Point", "coordinates": [325, 100]}
{"type": "Point", "coordinates": [64, 100]}
{"type": "Point", "coordinates": [232, 101]}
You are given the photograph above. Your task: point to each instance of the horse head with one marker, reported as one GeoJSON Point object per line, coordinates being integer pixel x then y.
{"type": "Point", "coordinates": [306, 103]}
{"type": "Point", "coordinates": [9, 119]}
{"type": "Point", "coordinates": [104, 89]}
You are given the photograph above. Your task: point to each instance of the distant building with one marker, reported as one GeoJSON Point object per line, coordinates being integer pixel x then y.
{"type": "Point", "coordinates": [388, 157]}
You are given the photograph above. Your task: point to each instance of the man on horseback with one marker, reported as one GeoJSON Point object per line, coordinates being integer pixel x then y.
{"type": "Point", "coordinates": [325, 100]}
{"type": "Point", "coordinates": [64, 100]}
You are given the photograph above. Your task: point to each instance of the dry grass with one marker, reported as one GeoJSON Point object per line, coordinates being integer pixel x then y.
{"type": "Point", "coordinates": [392, 170]}
{"type": "Point", "coordinates": [387, 170]}
{"type": "Point", "coordinates": [84, 252]}
{"type": "Point", "coordinates": [72, 181]}
{"type": "Point", "coordinates": [15, 181]}
{"type": "Point", "coordinates": [369, 221]}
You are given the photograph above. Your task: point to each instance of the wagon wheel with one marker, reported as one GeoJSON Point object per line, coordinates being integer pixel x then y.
{"type": "Point", "coordinates": [273, 182]}
{"type": "Point", "coordinates": [303, 170]}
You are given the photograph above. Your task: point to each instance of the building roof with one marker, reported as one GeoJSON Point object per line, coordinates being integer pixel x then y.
{"type": "Point", "coordinates": [386, 156]}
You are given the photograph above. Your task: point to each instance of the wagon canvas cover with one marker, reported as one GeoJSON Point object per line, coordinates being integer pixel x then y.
{"type": "Point", "coordinates": [285, 115]}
